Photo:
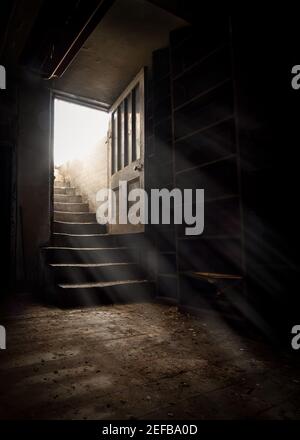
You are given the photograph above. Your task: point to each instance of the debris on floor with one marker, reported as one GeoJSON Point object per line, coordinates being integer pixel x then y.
{"type": "Point", "coordinates": [138, 361]}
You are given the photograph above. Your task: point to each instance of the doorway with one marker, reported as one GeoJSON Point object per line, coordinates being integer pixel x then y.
{"type": "Point", "coordinates": [80, 148]}
{"type": "Point", "coordinates": [96, 149]}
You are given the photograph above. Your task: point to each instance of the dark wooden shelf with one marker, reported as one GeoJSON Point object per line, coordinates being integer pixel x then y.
{"type": "Point", "coordinates": [202, 129]}
{"type": "Point", "coordinates": [210, 237]}
{"type": "Point", "coordinates": [186, 170]}
{"type": "Point", "coordinates": [200, 95]}
{"type": "Point", "coordinates": [212, 276]}
{"type": "Point", "coordinates": [197, 63]}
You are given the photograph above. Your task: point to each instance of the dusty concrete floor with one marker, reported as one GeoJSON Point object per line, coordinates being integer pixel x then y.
{"type": "Point", "coordinates": [137, 361]}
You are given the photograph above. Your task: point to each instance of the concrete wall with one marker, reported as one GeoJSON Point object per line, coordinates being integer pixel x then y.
{"type": "Point", "coordinates": [8, 143]}
{"type": "Point", "coordinates": [34, 158]}
{"type": "Point", "coordinates": [89, 174]}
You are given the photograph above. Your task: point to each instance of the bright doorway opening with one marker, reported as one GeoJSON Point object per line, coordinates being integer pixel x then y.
{"type": "Point", "coordinates": [77, 129]}
{"type": "Point", "coordinates": [80, 148]}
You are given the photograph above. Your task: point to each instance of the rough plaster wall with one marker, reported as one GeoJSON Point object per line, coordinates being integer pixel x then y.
{"type": "Point", "coordinates": [89, 174]}
{"type": "Point", "coordinates": [34, 161]}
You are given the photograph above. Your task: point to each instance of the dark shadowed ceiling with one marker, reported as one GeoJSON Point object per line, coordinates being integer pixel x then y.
{"type": "Point", "coordinates": [118, 48]}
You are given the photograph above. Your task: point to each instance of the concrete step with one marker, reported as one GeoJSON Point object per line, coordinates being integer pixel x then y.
{"type": "Point", "coordinates": [64, 191]}
{"type": "Point", "coordinates": [69, 255]}
{"type": "Point", "coordinates": [78, 228]}
{"type": "Point", "coordinates": [63, 198]}
{"type": "Point", "coordinates": [71, 207]}
{"type": "Point", "coordinates": [84, 273]}
{"type": "Point", "coordinates": [84, 265]}
{"type": "Point", "coordinates": [75, 217]}
{"type": "Point", "coordinates": [86, 240]}
{"type": "Point", "coordinates": [61, 183]}
{"type": "Point", "coordinates": [110, 292]}
{"type": "Point", "coordinates": [100, 239]}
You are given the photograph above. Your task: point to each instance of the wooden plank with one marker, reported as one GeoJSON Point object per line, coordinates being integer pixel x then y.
{"type": "Point", "coordinates": [214, 276]}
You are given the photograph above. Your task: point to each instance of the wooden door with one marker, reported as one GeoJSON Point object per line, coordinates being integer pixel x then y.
{"type": "Point", "coordinates": [126, 146]}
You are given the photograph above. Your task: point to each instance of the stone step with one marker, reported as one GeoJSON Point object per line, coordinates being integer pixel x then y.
{"type": "Point", "coordinates": [83, 273]}
{"type": "Point", "coordinates": [63, 198]}
{"type": "Point", "coordinates": [61, 183]}
{"type": "Point", "coordinates": [78, 228]}
{"type": "Point", "coordinates": [83, 240]}
{"type": "Point", "coordinates": [75, 217]}
{"type": "Point", "coordinates": [69, 255]}
{"type": "Point", "coordinates": [65, 191]}
{"type": "Point", "coordinates": [71, 207]}
{"type": "Point", "coordinates": [98, 239]}
{"type": "Point", "coordinates": [110, 292]}
{"type": "Point", "coordinates": [84, 265]}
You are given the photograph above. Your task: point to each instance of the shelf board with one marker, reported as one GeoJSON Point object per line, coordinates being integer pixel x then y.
{"type": "Point", "coordinates": [209, 237]}
{"type": "Point", "coordinates": [229, 156]}
{"type": "Point", "coordinates": [202, 129]}
{"type": "Point", "coordinates": [212, 276]}
{"type": "Point", "coordinates": [198, 62]}
{"type": "Point", "coordinates": [200, 95]}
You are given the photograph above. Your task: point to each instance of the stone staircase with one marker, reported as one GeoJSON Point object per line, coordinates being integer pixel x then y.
{"type": "Point", "coordinates": [84, 265]}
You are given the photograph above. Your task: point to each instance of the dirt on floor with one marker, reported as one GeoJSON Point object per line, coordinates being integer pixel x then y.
{"type": "Point", "coordinates": [138, 361]}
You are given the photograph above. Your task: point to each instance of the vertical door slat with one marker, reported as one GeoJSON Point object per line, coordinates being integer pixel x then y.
{"type": "Point", "coordinates": [114, 143]}
{"type": "Point", "coordinates": [119, 162]}
{"type": "Point", "coordinates": [129, 127]}
{"type": "Point", "coordinates": [125, 132]}
{"type": "Point", "coordinates": [138, 122]}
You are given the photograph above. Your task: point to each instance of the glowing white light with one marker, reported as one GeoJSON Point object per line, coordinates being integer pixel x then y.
{"type": "Point", "coordinates": [76, 130]}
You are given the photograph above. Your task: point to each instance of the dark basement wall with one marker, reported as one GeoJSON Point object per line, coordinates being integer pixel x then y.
{"type": "Point", "coordinates": [34, 187]}
{"type": "Point", "coordinates": [8, 145]}
{"type": "Point", "coordinates": [268, 139]}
